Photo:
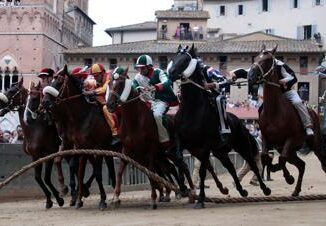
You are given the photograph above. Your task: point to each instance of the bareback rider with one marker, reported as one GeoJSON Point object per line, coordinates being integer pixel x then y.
{"type": "Point", "coordinates": [46, 76]}
{"type": "Point", "coordinates": [149, 77]}
{"type": "Point", "coordinates": [286, 80]}
{"type": "Point", "coordinates": [217, 83]}
{"type": "Point", "coordinates": [95, 85]}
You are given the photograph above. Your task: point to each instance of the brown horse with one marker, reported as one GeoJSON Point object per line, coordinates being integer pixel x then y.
{"type": "Point", "coordinates": [280, 124]}
{"type": "Point", "coordinates": [87, 126]}
{"type": "Point", "coordinates": [139, 136]}
{"type": "Point", "coordinates": [40, 137]}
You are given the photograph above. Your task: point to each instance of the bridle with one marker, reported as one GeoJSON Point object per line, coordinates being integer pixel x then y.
{"type": "Point", "coordinates": [11, 106]}
{"type": "Point", "coordinates": [262, 77]}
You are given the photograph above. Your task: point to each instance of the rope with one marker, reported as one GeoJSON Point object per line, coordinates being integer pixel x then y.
{"type": "Point", "coordinates": [266, 199]}
{"type": "Point", "coordinates": [150, 174]}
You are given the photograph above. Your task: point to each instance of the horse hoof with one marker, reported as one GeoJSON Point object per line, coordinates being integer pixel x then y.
{"type": "Point", "coordinates": [154, 206]}
{"type": "Point", "coordinates": [267, 191]}
{"type": "Point", "coordinates": [79, 205]}
{"type": "Point", "coordinates": [225, 191]}
{"type": "Point", "coordinates": [72, 202]}
{"type": "Point", "coordinates": [49, 204]}
{"type": "Point", "coordinates": [178, 195]}
{"type": "Point", "coordinates": [295, 193]}
{"type": "Point", "coordinates": [86, 192]}
{"type": "Point", "coordinates": [199, 205]}
{"type": "Point", "coordinates": [60, 202]}
{"type": "Point", "coordinates": [64, 191]}
{"type": "Point", "coordinates": [161, 199]}
{"type": "Point", "coordinates": [244, 193]}
{"type": "Point", "coordinates": [166, 199]}
{"type": "Point", "coordinates": [289, 179]}
{"type": "Point", "coordinates": [102, 205]}
{"type": "Point", "coordinates": [116, 204]}
{"type": "Point", "coordinates": [185, 193]}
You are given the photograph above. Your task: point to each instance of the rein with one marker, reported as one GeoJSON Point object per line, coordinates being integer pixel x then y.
{"type": "Point", "coordinates": [263, 79]}
{"type": "Point", "coordinates": [189, 81]}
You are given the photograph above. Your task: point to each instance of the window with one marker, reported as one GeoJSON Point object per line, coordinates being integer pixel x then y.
{"type": "Point", "coordinates": [265, 5]}
{"type": "Point", "coordinates": [223, 62]}
{"type": "Point", "coordinates": [88, 62]}
{"type": "Point", "coordinates": [163, 62]}
{"type": "Point", "coordinates": [222, 10]}
{"type": "Point", "coordinates": [113, 63]}
{"type": "Point", "coordinates": [14, 75]}
{"type": "Point", "coordinates": [307, 32]}
{"type": "Point", "coordinates": [295, 4]}
{"type": "Point", "coordinates": [317, 2]}
{"type": "Point", "coordinates": [303, 90]}
{"type": "Point", "coordinates": [240, 9]}
{"type": "Point", "coordinates": [303, 65]}
{"type": "Point", "coordinates": [269, 31]}
{"type": "Point", "coordinates": [7, 78]}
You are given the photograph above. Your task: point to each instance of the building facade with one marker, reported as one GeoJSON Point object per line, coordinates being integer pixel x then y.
{"type": "Point", "coordinates": [34, 34]}
{"type": "Point", "coordinates": [298, 19]}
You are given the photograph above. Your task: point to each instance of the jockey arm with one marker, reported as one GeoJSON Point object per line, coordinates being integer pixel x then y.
{"type": "Point", "coordinates": [164, 83]}
{"type": "Point", "coordinates": [289, 78]}
{"type": "Point", "coordinates": [219, 81]}
{"type": "Point", "coordinates": [102, 89]}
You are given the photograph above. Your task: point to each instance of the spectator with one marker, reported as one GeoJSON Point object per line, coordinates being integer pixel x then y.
{"type": "Point", "coordinates": [196, 32]}
{"type": "Point", "coordinates": [18, 137]}
{"type": "Point", "coordinates": [6, 136]}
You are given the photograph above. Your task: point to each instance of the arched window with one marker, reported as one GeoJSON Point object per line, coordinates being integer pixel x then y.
{"type": "Point", "coordinates": [7, 78]}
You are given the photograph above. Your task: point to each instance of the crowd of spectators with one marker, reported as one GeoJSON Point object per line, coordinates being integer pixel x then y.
{"type": "Point", "coordinates": [9, 2]}
{"type": "Point", "coordinates": [248, 103]}
{"type": "Point", "coordinates": [12, 137]}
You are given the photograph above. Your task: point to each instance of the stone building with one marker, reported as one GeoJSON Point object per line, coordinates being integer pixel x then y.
{"type": "Point", "coordinates": [34, 33]}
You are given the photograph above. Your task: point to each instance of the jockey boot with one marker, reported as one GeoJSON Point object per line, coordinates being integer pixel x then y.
{"type": "Point", "coordinates": [309, 131]}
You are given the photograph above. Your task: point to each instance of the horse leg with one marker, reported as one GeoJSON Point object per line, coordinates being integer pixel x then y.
{"type": "Point", "coordinates": [47, 180]}
{"type": "Point", "coordinates": [98, 162]}
{"type": "Point", "coordinates": [300, 164]}
{"type": "Point", "coordinates": [253, 166]}
{"type": "Point", "coordinates": [282, 162]}
{"type": "Point", "coordinates": [116, 201]}
{"type": "Point", "coordinates": [63, 188]}
{"type": "Point", "coordinates": [225, 160]}
{"type": "Point", "coordinates": [38, 178]}
{"type": "Point", "coordinates": [81, 174]}
{"type": "Point", "coordinates": [218, 183]}
{"type": "Point", "coordinates": [202, 174]}
{"type": "Point", "coordinates": [73, 165]}
{"type": "Point", "coordinates": [110, 164]}
{"type": "Point", "coordinates": [153, 193]}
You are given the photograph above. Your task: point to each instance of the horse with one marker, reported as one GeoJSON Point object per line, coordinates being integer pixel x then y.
{"type": "Point", "coordinates": [197, 123]}
{"type": "Point", "coordinates": [84, 124]}
{"type": "Point", "coordinates": [138, 133]}
{"type": "Point", "coordinates": [279, 121]}
{"type": "Point", "coordinates": [40, 138]}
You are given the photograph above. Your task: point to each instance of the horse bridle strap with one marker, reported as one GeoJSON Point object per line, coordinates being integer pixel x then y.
{"type": "Point", "coordinates": [267, 73]}
{"type": "Point", "coordinates": [191, 67]}
{"type": "Point", "coordinates": [189, 81]}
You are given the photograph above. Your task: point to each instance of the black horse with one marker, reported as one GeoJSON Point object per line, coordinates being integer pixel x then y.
{"type": "Point", "coordinates": [197, 123]}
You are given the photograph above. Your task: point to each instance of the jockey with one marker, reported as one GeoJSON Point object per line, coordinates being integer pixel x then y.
{"type": "Point", "coordinates": [217, 82]}
{"type": "Point", "coordinates": [287, 80]}
{"type": "Point", "coordinates": [80, 72]}
{"type": "Point", "coordinates": [96, 84]}
{"type": "Point", "coordinates": [46, 76]}
{"type": "Point", "coordinates": [149, 77]}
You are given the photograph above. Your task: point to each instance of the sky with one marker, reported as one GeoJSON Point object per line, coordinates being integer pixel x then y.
{"type": "Point", "coordinates": [115, 13]}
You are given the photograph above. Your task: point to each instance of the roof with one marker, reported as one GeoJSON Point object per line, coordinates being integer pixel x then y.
{"type": "Point", "coordinates": [148, 25]}
{"type": "Point", "coordinates": [81, 12]}
{"type": "Point", "coordinates": [171, 14]}
{"type": "Point", "coordinates": [230, 46]}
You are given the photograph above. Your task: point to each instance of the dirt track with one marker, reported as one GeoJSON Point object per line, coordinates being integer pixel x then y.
{"type": "Point", "coordinates": [135, 207]}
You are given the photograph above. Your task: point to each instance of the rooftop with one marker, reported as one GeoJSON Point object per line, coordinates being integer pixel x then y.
{"type": "Point", "coordinates": [148, 25]}
{"type": "Point", "coordinates": [171, 14]}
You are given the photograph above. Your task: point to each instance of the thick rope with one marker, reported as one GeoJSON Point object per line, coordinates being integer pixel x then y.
{"type": "Point", "coordinates": [266, 199]}
{"type": "Point", "coordinates": [150, 174]}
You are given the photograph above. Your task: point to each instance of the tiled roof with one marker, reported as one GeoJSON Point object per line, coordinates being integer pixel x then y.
{"type": "Point", "coordinates": [149, 25]}
{"type": "Point", "coordinates": [170, 14]}
{"type": "Point", "coordinates": [224, 46]}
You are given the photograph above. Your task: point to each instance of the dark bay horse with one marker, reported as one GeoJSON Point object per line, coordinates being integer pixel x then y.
{"type": "Point", "coordinates": [197, 123]}
{"type": "Point", "coordinates": [279, 121]}
{"type": "Point", "coordinates": [84, 123]}
{"type": "Point", "coordinates": [40, 138]}
{"type": "Point", "coordinates": [138, 133]}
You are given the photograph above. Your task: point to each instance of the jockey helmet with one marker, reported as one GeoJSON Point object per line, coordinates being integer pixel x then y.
{"type": "Point", "coordinates": [143, 61]}
{"type": "Point", "coordinates": [117, 72]}
{"type": "Point", "coordinates": [46, 72]}
{"type": "Point", "coordinates": [80, 72]}
{"type": "Point", "coordinates": [97, 68]}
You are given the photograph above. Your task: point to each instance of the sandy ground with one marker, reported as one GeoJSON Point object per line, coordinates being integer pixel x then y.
{"type": "Point", "coordinates": [135, 208]}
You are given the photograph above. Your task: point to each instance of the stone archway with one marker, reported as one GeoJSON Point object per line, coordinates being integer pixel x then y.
{"type": "Point", "coordinates": [9, 71]}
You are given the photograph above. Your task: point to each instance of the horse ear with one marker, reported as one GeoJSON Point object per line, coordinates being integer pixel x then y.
{"type": "Point", "coordinates": [21, 82]}
{"type": "Point", "coordinates": [193, 51]}
{"type": "Point", "coordinates": [179, 48]}
{"type": "Point", "coordinates": [126, 72]}
{"type": "Point", "coordinates": [274, 49]}
{"type": "Point", "coordinates": [263, 47]}
{"type": "Point", "coordinates": [65, 69]}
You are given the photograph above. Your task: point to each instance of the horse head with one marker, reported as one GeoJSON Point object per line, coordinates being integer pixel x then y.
{"type": "Point", "coordinates": [33, 102]}
{"type": "Point", "coordinates": [62, 87]}
{"type": "Point", "coordinates": [183, 64]}
{"type": "Point", "coordinates": [263, 66]}
{"type": "Point", "coordinates": [121, 91]}
{"type": "Point", "coordinates": [13, 98]}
